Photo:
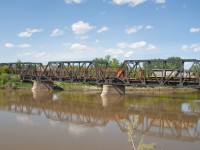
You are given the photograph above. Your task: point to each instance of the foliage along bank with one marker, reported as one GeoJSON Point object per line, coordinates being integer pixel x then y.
{"type": "Point", "coordinates": [8, 80]}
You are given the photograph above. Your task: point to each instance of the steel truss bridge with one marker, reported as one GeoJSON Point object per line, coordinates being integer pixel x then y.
{"type": "Point", "coordinates": [183, 72]}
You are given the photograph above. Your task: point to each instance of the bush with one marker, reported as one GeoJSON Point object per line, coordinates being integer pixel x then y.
{"type": "Point", "coordinates": [4, 78]}
{"type": "Point", "coordinates": [4, 69]}
{"type": "Point", "coordinates": [14, 78]}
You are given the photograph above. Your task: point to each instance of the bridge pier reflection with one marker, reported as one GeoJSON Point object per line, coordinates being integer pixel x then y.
{"type": "Point", "coordinates": [78, 109]}
{"type": "Point", "coordinates": [111, 100]}
{"type": "Point", "coordinates": [113, 90]}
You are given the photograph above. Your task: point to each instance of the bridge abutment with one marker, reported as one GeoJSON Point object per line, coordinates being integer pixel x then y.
{"type": "Point", "coordinates": [113, 90]}
{"type": "Point", "coordinates": [42, 85]}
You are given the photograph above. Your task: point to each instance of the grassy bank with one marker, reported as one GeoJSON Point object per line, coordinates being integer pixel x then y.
{"type": "Point", "coordinates": [161, 89]}
{"type": "Point", "coordinates": [78, 86]}
{"type": "Point", "coordinates": [9, 81]}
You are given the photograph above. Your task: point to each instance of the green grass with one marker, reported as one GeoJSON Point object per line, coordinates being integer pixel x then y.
{"type": "Point", "coordinates": [71, 86]}
{"type": "Point", "coordinates": [12, 81]}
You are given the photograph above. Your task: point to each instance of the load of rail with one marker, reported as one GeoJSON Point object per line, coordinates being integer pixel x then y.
{"type": "Point", "coordinates": [183, 72]}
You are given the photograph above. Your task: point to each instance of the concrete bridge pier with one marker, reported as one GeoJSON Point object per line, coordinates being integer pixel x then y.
{"type": "Point", "coordinates": [42, 85]}
{"type": "Point", "coordinates": [113, 90]}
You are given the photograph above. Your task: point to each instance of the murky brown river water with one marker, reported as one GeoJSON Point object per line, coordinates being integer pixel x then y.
{"type": "Point", "coordinates": [87, 121]}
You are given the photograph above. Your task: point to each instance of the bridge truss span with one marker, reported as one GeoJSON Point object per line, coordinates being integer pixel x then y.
{"type": "Point", "coordinates": [184, 72]}
{"type": "Point", "coordinates": [181, 72]}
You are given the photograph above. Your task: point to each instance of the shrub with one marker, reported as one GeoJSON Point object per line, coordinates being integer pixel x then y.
{"type": "Point", "coordinates": [4, 78]}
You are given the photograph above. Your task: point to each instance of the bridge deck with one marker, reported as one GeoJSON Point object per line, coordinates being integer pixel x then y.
{"type": "Point", "coordinates": [184, 72]}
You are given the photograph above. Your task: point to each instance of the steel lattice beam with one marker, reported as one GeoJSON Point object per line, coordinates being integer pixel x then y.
{"type": "Point", "coordinates": [132, 72]}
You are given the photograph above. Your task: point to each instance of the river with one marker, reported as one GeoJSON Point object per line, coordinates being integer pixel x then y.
{"type": "Point", "coordinates": [86, 121]}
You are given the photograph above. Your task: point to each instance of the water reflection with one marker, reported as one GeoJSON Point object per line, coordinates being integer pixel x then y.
{"type": "Point", "coordinates": [109, 101]}
{"type": "Point", "coordinates": [155, 118]}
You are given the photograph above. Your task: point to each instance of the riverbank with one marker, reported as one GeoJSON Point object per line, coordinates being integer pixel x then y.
{"type": "Point", "coordinates": [91, 87]}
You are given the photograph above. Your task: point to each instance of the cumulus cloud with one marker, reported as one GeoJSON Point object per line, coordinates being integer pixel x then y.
{"type": "Point", "coordinates": [160, 1]}
{"type": "Point", "coordinates": [103, 29]}
{"type": "Point", "coordinates": [128, 49]}
{"type": "Point", "coordinates": [28, 32]}
{"type": "Point", "coordinates": [73, 1]}
{"type": "Point", "coordinates": [56, 32]}
{"type": "Point", "coordinates": [77, 47]}
{"type": "Point", "coordinates": [33, 54]}
{"type": "Point", "coordinates": [81, 27]}
{"type": "Point", "coordinates": [135, 29]}
{"type": "Point", "coordinates": [131, 3]}
{"type": "Point", "coordinates": [9, 45]}
{"type": "Point", "coordinates": [148, 27]}
{"type": "Point", "coordinates": [118, 52]}
{"type": "Point", "coordinates": [137, 45]}
{"type": "Point", "coordinates": [24, 45]}
{"type": "Point", "coordinates": [114, 52]}
{"type": "Point", "coordinates": [150, 47]}
{"type": "Point", "coordinates": [193, 47]}
{"type": "Point", "coordinates": [128, 54]}
{"type": "Point", "coordinates": [193, 30]}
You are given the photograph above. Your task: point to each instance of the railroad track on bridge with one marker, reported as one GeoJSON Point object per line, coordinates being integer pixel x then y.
{"type": "Point", "coordinates": [185, 72]}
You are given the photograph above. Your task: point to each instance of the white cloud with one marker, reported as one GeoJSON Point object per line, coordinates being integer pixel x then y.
{"type": "Point", "coordinates": [160, 1]}
{"type": "Point", "coordinates": [185, 47]}
{"type": "Point", "coordinates": [148, 27]}
{"type": "Point", "coordinates": [73, 1]}
{"type": "Point", "coordinates": [114, 52]}
{"type": "Point", "coordinates": [137, 45]}
{"type": "Point", "coordinates": [103, 29]}
{"type": "Point", "coordinates": [56, 32]}
{"type": "Point", "coordinates": [24, 45]}
{"type": "Point", "coordinates": [81, 27]}
{"type": "Point", "coordinates": [33, 54]}
{"type": "Point", "coordinates": [192, 30]}
{"type": "Point", "coordinates": [128, 54]}
{"type": "Point", "coordinates": [150, 47]}
{"type": "Point", "coordinates": [131, 3]}
{"type": "Point", "coordinates": [118, 52]}
{"type": "Point", "coordinates": [134, 29]}
{"type": "Point", "coordinates": [9, 45]}
{"type": "Point", "coordinates": [122, 45]}
{"type": "Point", "coordinates": [40, 54]}
{"type": "Point", "coordinates": [194, 47]}
{"type": "Point", "coordinates": [28, 32]}
{"type": "Point", "coordinates": [77, 47]}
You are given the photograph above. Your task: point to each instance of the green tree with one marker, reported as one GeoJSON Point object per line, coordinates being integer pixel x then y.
{"type": "Point", "coordinates": [113, 63]}
{"type": "Point", "coordinates": [4, 69]}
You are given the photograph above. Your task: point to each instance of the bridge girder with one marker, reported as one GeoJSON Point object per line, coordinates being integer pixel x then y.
{"type": "Point", "coordinates": [132, 72]}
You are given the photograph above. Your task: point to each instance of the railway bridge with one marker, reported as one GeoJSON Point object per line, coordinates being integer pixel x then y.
{"type": "Point", "coordinates": [154, 72]}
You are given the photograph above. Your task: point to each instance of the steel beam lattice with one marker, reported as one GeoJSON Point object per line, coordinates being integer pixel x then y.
{"type": "Point", "coordinates": [183, 72]}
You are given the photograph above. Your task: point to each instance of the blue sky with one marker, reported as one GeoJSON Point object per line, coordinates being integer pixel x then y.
{"type": "Point", "coordinates": [48, 30]}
